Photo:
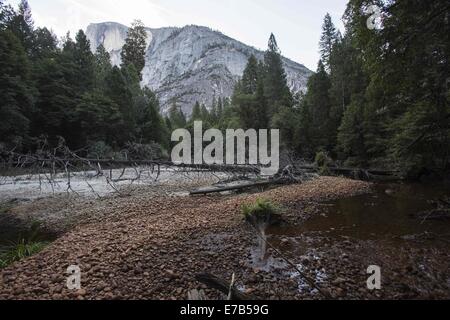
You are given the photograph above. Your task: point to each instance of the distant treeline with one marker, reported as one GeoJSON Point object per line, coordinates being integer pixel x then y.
{"type": "Point", "coordinates": [379, 97]}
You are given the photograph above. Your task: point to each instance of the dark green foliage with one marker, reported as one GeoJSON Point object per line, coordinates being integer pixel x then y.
{"type": "Point", "coordinates": [118, 91]}
{"type": "Point", "coordinates": [276, 89]}
{"type": "Point", "coordinates": [380, 98]}
{"type": "Point", "coordinates": [177, 117]}
{"type": "Point", "coordinates": [6, 15]}
{"type": "Point", "coordinates": [22, 25]}
{"type": "Point", "coordinates": [69, 94]}
{"type": "Point", "coordinates": [135, 45]}
{"type": "Point", "coordinates": [102, 67]}
{"type": "Point", "coordinates": [250, 78]}
{"type": "Point", "coordinates": [351, 140]}
{"type": "Point", "coordinates": [45, 44]}
{"type": "Point", "coordinates": [317, 101]}
{"type": "Point", "coordinates": [387, 96]}
{"type": "Point", "coordinates": [150, 125]}
{"type": "Point", "coordinates": [84, 63]}
{"type": "Point", "coordinates": [16, 99]}
{"type": "Point", "coordinates": [196, 113]}
{"type": "Point", "coordinates": [328, 40]}
{"type": "Point", "coordinates": [100, 119]}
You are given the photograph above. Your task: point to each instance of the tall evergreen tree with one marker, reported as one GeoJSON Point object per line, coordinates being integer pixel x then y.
{"type": "Point", "coordinates": [102, 67]}
{"type": "Point", "coordinates": [275, 84]}
{"type": "Point", "coordinates": [151, 127]}
{"type": "Point", "coordinates": [319, 105]}
{"type": "Point", "coordinates": [250, 77]}
{"type": "Point", "coordinates": [16, 99]}
{"type": "Point", "coordinates": [84, 62]}
{"type": "Point", "coordinates": [133, 52]}
{"type": "Point", "coordinates": [22, 25]}
{"type": "Point", "coordinates": [196, 112]}
{"type": "Point", "coordinates": [118, 90]}
{"type": "Point", "coordinates": [327, 40]}
{"type": "Point", "coordinates": [177, 117]}
{"type": "Point", "coordinates": [6, 15]}
{"type": "Point", "coordinates": [100, 120]}
{"type": "Point", "coordinates": [45, 44]}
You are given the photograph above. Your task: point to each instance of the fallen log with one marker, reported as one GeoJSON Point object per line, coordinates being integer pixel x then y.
{"type": "Point", "coordinates": [223, 286]}
{"type": "Point", "coordinates": [242, 186]}
{"type": "Point", "coordinates": [111, 162]}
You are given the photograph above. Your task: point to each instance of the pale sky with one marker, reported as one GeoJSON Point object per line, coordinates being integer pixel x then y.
{"type": "Point", "coordinates": [295, 23]}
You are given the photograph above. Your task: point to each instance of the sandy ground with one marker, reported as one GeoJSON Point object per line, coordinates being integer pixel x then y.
{"type": "Point", "coordinates": [151, 247]}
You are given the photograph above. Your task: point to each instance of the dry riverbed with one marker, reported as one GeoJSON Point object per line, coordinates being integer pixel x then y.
{"type": "Point", "coordinates": [151, 246]}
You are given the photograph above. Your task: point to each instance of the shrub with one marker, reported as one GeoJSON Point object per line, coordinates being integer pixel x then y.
{"type": "Point", "coordinates": [323, 162]}
{"type": "Point", "coordinates": [261, 213]}
{"type": "Point", "coordinates": [99, 150]}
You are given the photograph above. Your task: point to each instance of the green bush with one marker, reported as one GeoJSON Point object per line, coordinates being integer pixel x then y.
{"type": "Point", "coordinates": [100, 150]}
{"type": "Point", "coordinates": [261, 213]}
{"type": "Point", "coordinates": [323, 162]}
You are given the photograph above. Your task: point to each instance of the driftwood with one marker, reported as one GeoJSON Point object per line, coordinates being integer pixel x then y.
{"type": "Point", "coordinates": [113, 163]}
{"type": "Point", "coordinates": [247, 185]}
{"type": "Point", "coordinates": [223, 286]}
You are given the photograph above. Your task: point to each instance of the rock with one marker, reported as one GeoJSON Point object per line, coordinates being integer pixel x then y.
{"type": "Point", "coordinates": [172, 275]}
{"type": "Point", "coordinates": [209, 68]}
{"type": "Point", "coordinates": [339, 281]}
{"type": "Point", "coordinates": [81, 292]}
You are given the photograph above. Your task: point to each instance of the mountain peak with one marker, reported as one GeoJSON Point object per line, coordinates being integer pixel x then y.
{"type": "Point", "coordinates": [190, 64]}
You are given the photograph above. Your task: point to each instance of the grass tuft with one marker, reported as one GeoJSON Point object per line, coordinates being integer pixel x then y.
{"type": "Point", "coordinates": [260, 209]}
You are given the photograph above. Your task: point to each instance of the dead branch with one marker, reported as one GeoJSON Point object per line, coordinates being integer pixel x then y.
{"type": "Point", "coordinates": [223, 286]}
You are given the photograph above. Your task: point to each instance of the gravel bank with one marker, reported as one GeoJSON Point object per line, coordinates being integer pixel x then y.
{"type": "Point", "coordinates": [147, 247]}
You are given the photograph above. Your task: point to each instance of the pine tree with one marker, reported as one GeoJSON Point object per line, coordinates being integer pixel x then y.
{"type": "Point", "coordinates": [327, 41]}
{"type": "Point", "coordinates": [351, 146]}
{"type": "Point", "coordinates": [6, 15]}
{"type": "Point", "coordinates": [100, 120]}
{"type": "Point", "coordinates": [318, 102]}
{"type": "Point", "coordinates": [177, 117]}
{"type": "Point", "coordinates": [22, 25]}
{"type": "Point", "coordinates": [275, 84]}
{"type": "Point", "coordinates": [410, 85]}
{"type": "Point", "coordinates": [118, 90]}
{"type": "Point", "coordinates": [16, 99]}
{"type": "Point", "coordinates": [196, 112]}
{"type": "Point", "coordinates": [206, 116]}
{"type": "Point", "coordinates": [151, 126]}
{"type": "Point", "coordinates": [84, 61]}
{"type": "Point", "coordinates": [102, 67]}
{"type": "Point", "coordinates": [45, 44]}
{"type": "Point", "coordinates": [262, 109]}
{"type": "Point", "coordinates": [250, 77]}
{"type": "Point", "coordinates": [133, 51]}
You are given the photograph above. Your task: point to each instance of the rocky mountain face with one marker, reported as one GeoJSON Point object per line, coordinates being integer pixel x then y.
{"type": "Point", "coordinates": [189, 64]}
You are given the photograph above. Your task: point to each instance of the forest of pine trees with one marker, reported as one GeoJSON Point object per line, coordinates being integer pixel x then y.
{"type": "Point", "coordinates": [52, 89]}
{"type": "Point", "coordinates": [379, 98]}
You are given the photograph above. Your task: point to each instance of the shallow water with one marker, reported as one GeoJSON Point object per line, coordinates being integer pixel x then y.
{"type": "Point", "coordinates": [386, 213]}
